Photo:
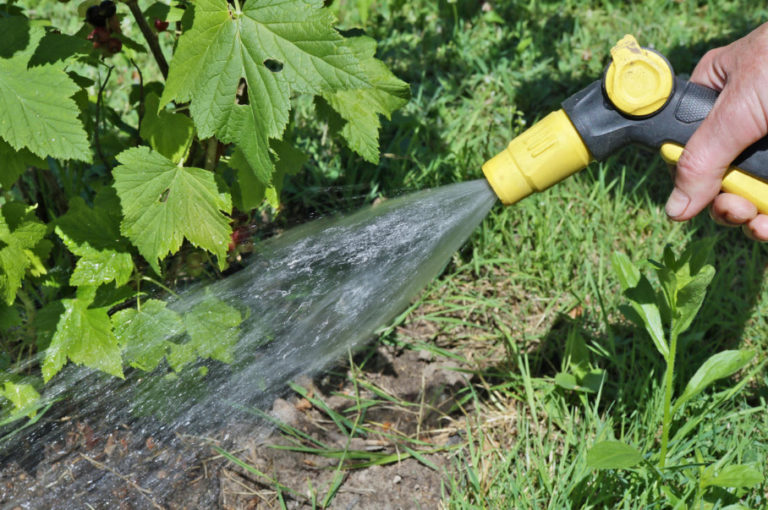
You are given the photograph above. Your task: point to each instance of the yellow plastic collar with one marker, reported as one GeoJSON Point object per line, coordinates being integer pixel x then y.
{"type": "Point", "coordinates": [638, 81]}
{"type": "Point", "coordinates": [545, 154]}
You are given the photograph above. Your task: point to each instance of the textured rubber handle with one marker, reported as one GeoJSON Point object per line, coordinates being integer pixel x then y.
{"type": "Point", "coordinates": [696, 103]}
{"type": "Point", "coordinates": [604, 129]}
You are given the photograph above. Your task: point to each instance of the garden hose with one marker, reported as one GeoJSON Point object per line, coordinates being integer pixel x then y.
{"type": "Point", "coordinates": [638, 100]}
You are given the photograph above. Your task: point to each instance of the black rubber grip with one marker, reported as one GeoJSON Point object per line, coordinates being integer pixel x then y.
{"type": "Point", "coordinates": [604, 129]}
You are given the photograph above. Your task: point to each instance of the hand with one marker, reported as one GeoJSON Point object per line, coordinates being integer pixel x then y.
{"type": "Point", "coordinates": [738, 119]}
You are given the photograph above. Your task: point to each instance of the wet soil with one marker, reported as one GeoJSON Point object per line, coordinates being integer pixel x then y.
{"type": "Point", "coordinates": [93, 466]}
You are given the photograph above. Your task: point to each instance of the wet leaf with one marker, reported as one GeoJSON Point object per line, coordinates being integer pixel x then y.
{"type": "Point", "coordinates": [164, 203]}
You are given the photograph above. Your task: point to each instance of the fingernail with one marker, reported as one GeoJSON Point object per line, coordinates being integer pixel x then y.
{"type": "Point", "coordinates": [677, 203]}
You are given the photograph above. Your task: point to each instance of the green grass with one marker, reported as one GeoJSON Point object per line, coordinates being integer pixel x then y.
{"type": "Point", "coordinates": [478, 79]}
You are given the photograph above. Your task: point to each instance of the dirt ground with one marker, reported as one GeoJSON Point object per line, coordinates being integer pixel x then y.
{"type": "Point", "coordinates": [414, 400]}
{"type": "Point", "coordinates": [121, 468]}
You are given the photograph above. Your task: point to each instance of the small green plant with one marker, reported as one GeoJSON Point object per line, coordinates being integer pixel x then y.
{"type": "Point", "coordinates": [666, 310]}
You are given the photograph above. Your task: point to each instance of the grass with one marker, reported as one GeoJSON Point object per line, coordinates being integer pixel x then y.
{"type": "Point", "coordinates": [536, 271]}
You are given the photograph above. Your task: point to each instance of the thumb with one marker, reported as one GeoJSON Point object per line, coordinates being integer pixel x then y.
{"type": "Point", "coordinates": [731, 126]}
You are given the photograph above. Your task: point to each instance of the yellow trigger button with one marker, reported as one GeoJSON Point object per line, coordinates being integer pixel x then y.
{"type": "Point", "coordinates": [638, 81]}
{"type": "Point", "coordinates": [670, 152]}
{"type": "Point", "coordinates": [735, 180]}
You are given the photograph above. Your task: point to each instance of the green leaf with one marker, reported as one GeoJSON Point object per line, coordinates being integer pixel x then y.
{"type": "Point", "coordinates": [613, 455]}
{"type": "Point", "coordinates": [576, 357]}
{"type": "Point", "coordinates": [181, 355]}
{"type": "Point", "coordinates": [250, 191]}
{"type": "Point", "coordinates": [721, 365]}
{"type": "Point", "coordinates": [20, 233]}
{"type": "Point", "coordinates": [55, 47]}
{"type": "Point", "coordinates": [690, 298]}
{"type": "Point", "coordinates": [625, 270]}
{"type": "Point", "coordinates": [23, 396]}
{"type": "Point", "coordinates": [566, 381]}
{"type": "Point", "coordinates": [84, 336]}
{"type": "Point", "coordinates": [643, 300]}
{"type": "Point", "coordinates": [145, 333]}
{"type": "Point", "coordinates": [164, 203]}
{"type": "Point", "coordinates": [38, 110]}
{"type": "Point", "coordinates": [9, 317]}
{"type": "Point", "coordinates": [14, 163]}
{"type": "Point", "coordinates": [734, 476]}
{"type": "Point", "coordinates": [213, 329]}
{"type": "Point", "coordinates": [93, 234]}
{"type": "Point", "coordinates": [170, 134]}
{"type": "Point", "coordinates": [14, 35]}
{"type": "Point", "coordinates": [361, 107]}
{"type": "Point", "coordinates": [277, 48]}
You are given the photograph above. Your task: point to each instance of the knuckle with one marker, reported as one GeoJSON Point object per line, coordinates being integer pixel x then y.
{"type": "Point", "coordinates": [692, 166]}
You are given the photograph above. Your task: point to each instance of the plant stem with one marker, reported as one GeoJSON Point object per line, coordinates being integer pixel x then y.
{"type": "Point", "coordinates": [150, 37]}
{"type": "Point", "coordinates": [669, 379]}
{"type": "Point", "coordinates": [99, 102]}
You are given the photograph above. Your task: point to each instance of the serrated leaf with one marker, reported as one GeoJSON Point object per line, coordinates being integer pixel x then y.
{"type": "Point", "coordinates": [20, 232]}
{"type": "Point", "coordinates": [93, 234]}
{"type": "Point", "coordinates": [734, 476]}
{"type": "Point", "coordinates": [613, 455]}
{"type": "Point", "coordinates": [170, 134]}
{"type": "Point", "coordinates": [718, 366]}
{"type": "Point", "coordinates": [250, 190]}
{"type": "Point", "coordinates": [145, 333]}
{"type": "Point", "coordinates": [361, 107]}
{"type": "Point", "coordinates": [55, 47]}
{"type": "Point", "coordinates": [9, 317]}
{"type": "Point", "coordinates": [84, 336]}
{"type": "Point", "coordinates": [213, 329]}
{"type": "Point", "coordinates": [38, 110]}
{"type": "Point", "coordinates": [277, 47]}
{"type": "Point", "coordinates": [14, 35]}
{"type": "Point", "coordinates": [164, 203]}
{"type": "Point", "coordinates": [23, 396]}
{"type": "Point", "coordinates": [14, 163]}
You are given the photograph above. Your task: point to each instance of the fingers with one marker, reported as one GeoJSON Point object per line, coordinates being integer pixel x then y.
{"type": "Point", "coordinates": [732, 211]}
{"type": "Point", "coordinates": [729, 209]}
{"type": "Point", "coordinates": [709, 152]}
{"type": "Point", "coordinates": [709, 72]}
{"type": "Point", "coordinates": [757, 228]}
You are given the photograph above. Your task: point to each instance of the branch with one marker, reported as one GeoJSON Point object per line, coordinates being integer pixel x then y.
{"type": "Point", "coordinates": [99, 101]}
{"type": "Point", "coordinates": [150, 36]}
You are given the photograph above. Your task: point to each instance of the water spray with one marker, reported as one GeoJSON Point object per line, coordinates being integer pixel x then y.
{"type": "Point", "coordinates": [638, 100]}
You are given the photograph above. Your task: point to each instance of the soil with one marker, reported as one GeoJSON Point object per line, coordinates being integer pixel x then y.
{"type": "Point", "coordinates": [418, 395]}
{"type": "Point", "coordinates": [119, 467]}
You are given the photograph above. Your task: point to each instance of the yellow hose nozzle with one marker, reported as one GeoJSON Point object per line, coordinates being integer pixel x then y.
{"type": "Point", "coordinates": [543, 155]}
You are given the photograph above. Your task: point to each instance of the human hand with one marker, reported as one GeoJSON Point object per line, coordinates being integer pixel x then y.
{"type": "Point", "coordinates": [738, 119]}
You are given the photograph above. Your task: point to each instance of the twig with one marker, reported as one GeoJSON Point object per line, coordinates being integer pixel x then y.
{"type": "Point", "coordinates": [144, 492]}
{"type": "Point", "coordinates": [211, 153]}
{"type": "Point", "coordinates": [99, 100]}
{"type": "Point", "coordinates": [141, 96]}
{"type": "Point", "coordinates": [150, 36]}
